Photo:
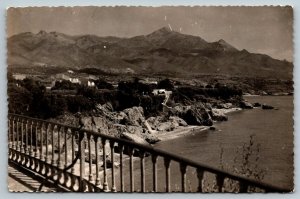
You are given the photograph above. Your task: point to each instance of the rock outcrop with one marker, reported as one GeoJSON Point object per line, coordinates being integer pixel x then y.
{"type": "Point", "coordinates": [265, 106]}
{"type": "Point", "coordinates": [246, 105]}
{"type": "Point", "coordinates": [257, 104]}
{"type": "Point", "coordinates": [134, 116]}
{"type": "Point", "coordinates": [193, 115]}
{"type": "Point", "coordinates": [218, 115]}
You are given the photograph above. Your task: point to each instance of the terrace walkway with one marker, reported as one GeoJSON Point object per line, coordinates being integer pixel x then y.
{"type": "Point", "coordinates": [20, 180]}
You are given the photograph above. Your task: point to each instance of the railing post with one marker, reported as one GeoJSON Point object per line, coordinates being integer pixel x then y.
{"type": "Point", "coordinates": [90, 157]}
{"type": "Point", "coordinates": [73, 150]}
{"type": "Point", "coordinates": [142, 156]}
{"type": "Point", "coordinates": [36, 154]}
{"type": "Point", "coordinates": [42, 140]}
{"type": "Point", "coordinates": [52, 143]}
{"type": "Point", "coordinates": [183, 177]}
{"type": "Point", "coordinates": [98, 182]}
{"type": "Point", "coordinates": [105, 184]}
{"type": "Point", "coordinates": [167, 162]}
{"type": "Point", "coordinates": [130, 153]}
{"type": "Point", "coordinates": [31, 139]}
{"type": "Point", "coordinates": [48, 128]}
{"type": "Point", "coordinates": [9, 132]}
{"type": "Point", "coordinates": [154, 166]}
{"type": "Point", "coordinates": [22, 136]}
{"type": "Point", "coordinates": [17, 135]}
{"type": "Point", "coordinates": [66, 147]}
{"type": "Point", "coordinates": [121, 167]}
{"type": "Point", "coordinates": [13, 134]}
{"type": "Point", "coordinates": [59, 163]}
{"type": "Point", "coordinates": [26, 138]}
{"type": "Point", "coordinates": [200, 179]}
{"type": "Point", "coordinates": [82, 163]}
{"type": "Point", "coordinates": [112, 154]}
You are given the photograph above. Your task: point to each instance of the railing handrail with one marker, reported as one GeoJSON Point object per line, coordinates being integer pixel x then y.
{"type": "Point", "coordinates": [165, 154]}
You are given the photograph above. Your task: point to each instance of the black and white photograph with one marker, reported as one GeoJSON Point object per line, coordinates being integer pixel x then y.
{"type": "Point", "coordinates": [150, 99]}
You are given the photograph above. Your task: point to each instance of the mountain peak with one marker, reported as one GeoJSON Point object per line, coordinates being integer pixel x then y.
{"type": "Point", "coordinates": [42, 32]}
{"type": "Point", "coordinates": [162, 31]}
{"type": "Point", "coordinates": [226, 46]}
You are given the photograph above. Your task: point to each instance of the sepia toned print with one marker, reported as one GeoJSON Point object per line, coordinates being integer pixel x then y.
{"type": "Point", "coordinates": [150, 99]}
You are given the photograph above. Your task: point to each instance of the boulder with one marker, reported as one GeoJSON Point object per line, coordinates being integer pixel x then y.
{"type": "Point", "coordinates": [128, 129]}
{"type": "Point", "coordinates": [154, 122]}
{"type": "Point", "coordinates": [151, 138]}
{"type": "Point", "coordinates": [178, 120]}
{"type": "Point", "coordinates": [218, 115]}
{"type": "Point", "coordinates": [167, 126]}
{"type": "Point", "coordinates": [265, 106]}
{"type": "Point", "coordinates": [257, 104]}
{"type": "Point", "coordinates": [213, 128]}
{"type": "Point", "coordinates": [224, 105]}
{"type": "Point", "coordinates": [246, 105]}
{"type": "Point", "coordinates": [193, 115]}
{"type": "Point", "coordinates": [135, 116]}
{"type": "Point", "coordinates": [197, 116]}
{"type": "Point", "coordinates": [97, 124]}
{"type": "Point", "coordinates": [118, 117]}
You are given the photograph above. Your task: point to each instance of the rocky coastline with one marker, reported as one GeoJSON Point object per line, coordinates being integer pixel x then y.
{"type": "Point", "coordinates": [131, 124]}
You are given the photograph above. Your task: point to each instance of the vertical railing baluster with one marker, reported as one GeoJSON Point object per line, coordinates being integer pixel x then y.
{"type": "Point", "coordinates": [26, 138]}
{"type": "Point", "coordinates": [59, 162]}
{"type": "Point", "coordinates": [41, 141]}
{"type": "Point", "coordinates": [36, 140]}
{"type": "Point", "coordinates": [121, 147]}
{"type": "Point", "coordinates": [105, 184]}
{"type": "Point", "coordinates": [9, 131]}
{"type": "Point", "coordinates": [167, 166]}
{"type": "Point", "coordinates": [22, 136]}
{"type": "Point", "coordinates": [98, 182]}
{"type": "Point", "coordinates": [53, 146]}
{"type": "Point", "coordinates": [90, 157]}
{"type": "Point", "coordinates": [154, 166]}
{"type": "Point", "coordinates": [48, 127]}
{"type": "Point", "coordinates": [183, 177]}
{"type": "Point", "coordinates": [73, 149]}
{"type": "Point", "coordinates": [220, 181]}
{"type": "Point", "coordinates": [112, 155]}
{"type": "Point", "coordinates": [130, 152]}
{"type": "Point", "coordinates": [200, 179]}
{"type": "Point", "coordinates": [17, 135]}
{"type": "Point", "coordinates": [66, 146]}
{"type": "Point", "coordinates": [13, 133]}
{"type": "Point", "coordinates": [31, 139]}
{"type": "Point", "coordinates": [82, 162]}
{"type": "Point", "coordinates": [142, 156]}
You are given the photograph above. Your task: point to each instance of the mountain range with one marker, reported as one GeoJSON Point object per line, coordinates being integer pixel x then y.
{"type": "Point", "coordinates": [162, 51]}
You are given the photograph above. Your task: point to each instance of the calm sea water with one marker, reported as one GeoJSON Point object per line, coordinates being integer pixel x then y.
{"type": "Point", "coordinates": [271, 152]}
{"type": "Point", "coordinates": [272, 148]}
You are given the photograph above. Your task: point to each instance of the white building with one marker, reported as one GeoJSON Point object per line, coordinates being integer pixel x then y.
{"type": "Point", "coordinates": [91, 84]}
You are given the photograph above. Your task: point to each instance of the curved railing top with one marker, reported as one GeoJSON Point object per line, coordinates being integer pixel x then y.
{"type": "Point", "coordinates": [162, 153]}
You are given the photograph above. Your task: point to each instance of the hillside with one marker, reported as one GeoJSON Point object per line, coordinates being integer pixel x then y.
{"type": "Point", "coordinates": [162, 51]}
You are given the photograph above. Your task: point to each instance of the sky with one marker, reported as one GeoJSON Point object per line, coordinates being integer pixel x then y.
{"type": "Point", "coordinates": [267, 30]}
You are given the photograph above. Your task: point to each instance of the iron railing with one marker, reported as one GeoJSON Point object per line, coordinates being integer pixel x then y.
{"type": "Point", "coordinates": [49, 148]}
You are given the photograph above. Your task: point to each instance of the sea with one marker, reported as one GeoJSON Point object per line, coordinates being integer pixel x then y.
{"type": "Point", "coordinates": [254, 143]}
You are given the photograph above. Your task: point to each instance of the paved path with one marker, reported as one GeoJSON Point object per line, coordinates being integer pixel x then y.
{"type": "Point", "coordinates": [19, 181]}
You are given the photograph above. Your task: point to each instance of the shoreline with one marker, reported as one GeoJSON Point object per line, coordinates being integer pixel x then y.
{"type": "Point", "coordinates": [188, 130]}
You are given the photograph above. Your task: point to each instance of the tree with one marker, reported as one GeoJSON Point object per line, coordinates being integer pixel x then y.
{"type": "Point", "coordinates": [165, 84]}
